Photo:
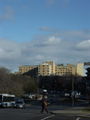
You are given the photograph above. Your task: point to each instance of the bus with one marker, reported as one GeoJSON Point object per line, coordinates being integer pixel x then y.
{"type": "Point", "coordinates": [7, 100]}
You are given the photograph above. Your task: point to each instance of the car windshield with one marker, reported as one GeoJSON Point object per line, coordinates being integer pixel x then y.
{"type": "Point", "coordinates": [19, 102]}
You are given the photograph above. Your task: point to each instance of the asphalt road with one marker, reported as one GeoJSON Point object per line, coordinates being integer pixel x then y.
{"type": "Point", "coordinates": [68, 117]}
{"type": "Point", "coordinates": [33, 113]}
{"type": "Point", "coordinates": [21, 114]}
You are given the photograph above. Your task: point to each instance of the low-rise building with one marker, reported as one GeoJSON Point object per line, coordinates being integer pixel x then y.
{"type": "Point", "coordinates": [26, 68]}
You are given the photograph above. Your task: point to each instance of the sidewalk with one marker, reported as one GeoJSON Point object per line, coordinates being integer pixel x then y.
{"type": "Point", "coordinates": [78, 111]}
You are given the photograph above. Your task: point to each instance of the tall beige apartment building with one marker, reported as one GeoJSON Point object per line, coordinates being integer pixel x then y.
{"type": "Point", "coordinates": [50, 68]}
{"type": "Point", "coordinates": [46, 69]}
{"type": "Point", "coordinates": [80, 69]}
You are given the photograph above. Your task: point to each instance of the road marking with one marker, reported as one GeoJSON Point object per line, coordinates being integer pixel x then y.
{"type": "Point", "coordinates": [48, 117]}
{"type": "Point", "coordinates": [78, 118]}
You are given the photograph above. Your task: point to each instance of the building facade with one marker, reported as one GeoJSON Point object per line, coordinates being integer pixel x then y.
{"type": "Point", "coordinates": [46, 69]}
{"type": "Point", "coordinates": [80, 69]}
{"type": "Point", "coordinates": [26, 68]}
{"type": "Point", "coordinates": [50, 68]}
{"type": "Point", "coordinates": [62, 70]}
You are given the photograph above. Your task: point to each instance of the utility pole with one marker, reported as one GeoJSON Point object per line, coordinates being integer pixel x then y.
{"type": "Point", "coordinates": [72, 94]}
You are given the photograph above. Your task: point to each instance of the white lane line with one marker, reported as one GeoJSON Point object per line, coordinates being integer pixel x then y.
{"type": "Point", "coordinates": [78, 118]}
{"type": "Point", "coordinates": [48, 117]}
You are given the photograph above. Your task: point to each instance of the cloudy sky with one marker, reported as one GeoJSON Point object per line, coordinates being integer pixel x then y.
{"type": "Point", "coordinates": [33, 31]}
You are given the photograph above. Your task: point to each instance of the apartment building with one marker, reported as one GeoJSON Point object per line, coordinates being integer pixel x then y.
{"type": "Point", "coordinates": [53, 65]}
{"type": "Point", "coordinates": [80, 69]}
{"type": "Point", "coordinates": [46, 69]}
{"type": "Point", "coordinates": [26, 68]}
{"type": "Point", "coordinates": [50, 68]}
{"type": "Point", "coordinates": [62, 70]}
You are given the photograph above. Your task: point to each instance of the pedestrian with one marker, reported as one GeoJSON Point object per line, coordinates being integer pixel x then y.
{"type": "Point", "coordinates": [44, 104]}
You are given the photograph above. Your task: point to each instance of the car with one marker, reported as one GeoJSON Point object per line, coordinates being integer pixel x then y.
{"type": "Point", "coordinates": [19, 103]}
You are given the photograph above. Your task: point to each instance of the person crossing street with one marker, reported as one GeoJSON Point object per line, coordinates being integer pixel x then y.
{"type": "Point", "coordinates": [44, 104]}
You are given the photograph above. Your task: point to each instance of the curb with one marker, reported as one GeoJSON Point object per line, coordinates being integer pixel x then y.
{"type": "Point", "coordinates": [84, 116]}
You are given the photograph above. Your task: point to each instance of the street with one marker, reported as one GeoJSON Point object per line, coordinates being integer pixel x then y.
{"type": "Point", "coordinates": [21, 114]}
{"type": "Point", "coordinates": [33, 113]}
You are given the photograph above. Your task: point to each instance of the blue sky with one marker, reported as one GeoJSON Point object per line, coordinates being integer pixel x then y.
{"type": "Point", "coordinates": [32, 31]}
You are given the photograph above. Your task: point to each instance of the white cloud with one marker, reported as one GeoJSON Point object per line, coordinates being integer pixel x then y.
{"type": "Point", "coordinates": [9, 49]}
{"type": "Point", "coordinates": [1, 51]}
{"type": "Point", "coordinates": [43, 48]}
{"type": "Point", "coordinates": [39, 57]}
{"type": "Point", "coordinates": [52, 40]}
{"type": "Point", "coordinates": [84, 44]}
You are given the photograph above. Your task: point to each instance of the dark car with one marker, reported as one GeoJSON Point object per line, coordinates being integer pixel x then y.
{"type": "Point", "coordinates": [19, 103]}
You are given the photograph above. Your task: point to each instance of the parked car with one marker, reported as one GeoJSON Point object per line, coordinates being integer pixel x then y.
{"type": "Point", "coordinates": [19, 103]}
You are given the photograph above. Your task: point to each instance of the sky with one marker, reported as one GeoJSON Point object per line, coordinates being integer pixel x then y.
{"type": "Point", "coordinates": [34, 31]}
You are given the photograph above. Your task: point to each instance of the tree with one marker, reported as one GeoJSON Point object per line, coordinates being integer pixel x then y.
{"type": "Point", "coordinates": [16, 84]}
{"type": "Point", "coordinates": [4, 80]}
{"type": "Point", "coordinates": [88, 73]}
{"type": "Point", "coordinates": [29, 84]}
{"type": "Point", "coordinates": [88, 81]}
